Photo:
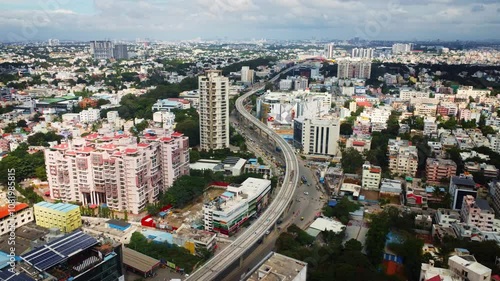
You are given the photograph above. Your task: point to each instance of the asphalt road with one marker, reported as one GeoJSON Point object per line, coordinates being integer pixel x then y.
{"type": "Point", "coordinates": [303, 205]}
{"type": "Point", "coordinates": [218, 266]}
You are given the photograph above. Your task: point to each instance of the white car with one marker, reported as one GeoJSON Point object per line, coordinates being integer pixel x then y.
{"type": "Point", "coordinates": [306, 193]}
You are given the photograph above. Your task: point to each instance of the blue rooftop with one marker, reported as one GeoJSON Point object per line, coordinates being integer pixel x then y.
{"type": "Point", "coordinates": [61, 207]}
{"type": "Point", "coordinates": [158, 236]}
{"type": "Point", "coordinates": [4, 259]}
{"type": "Point", "coordinates": [462, 251]}
{"type": "Point", "coordinates": [168, 103]}
{"type": "Point", "coordinates": [393, 237]}
{"type": "Point", "coordinates": [228, 194]}
{"type": "Point", "coordinates": [430, 189]}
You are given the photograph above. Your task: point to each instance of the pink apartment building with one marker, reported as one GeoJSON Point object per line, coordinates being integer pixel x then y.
{"type": "Point", "coordinates": [116, 170]}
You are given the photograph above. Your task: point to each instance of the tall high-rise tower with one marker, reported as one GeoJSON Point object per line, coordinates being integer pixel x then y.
{"type": "Point", "coordinates": [214, 110]}
{"type": "Point", "coordinates": [329, 51]}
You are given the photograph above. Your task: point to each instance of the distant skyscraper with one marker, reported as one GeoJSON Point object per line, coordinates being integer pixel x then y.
{"type": "Point", "coordinates": [102, 50]}
{"type": "Point", "coordinates": [354, 69]}
{"type": "Point", "coordinates": [247, 75]}
{"type": "Point", "coordinates": [329, 51]}
{"type": "Point", "coordinates": [362, 53]}
{"type": "Point", "coordinates": [120, 51]}
{"type": "Point", "coordinates": [214, 110]}
{"type": "Point", "coordinates": [401, 48]}
{"type": "Point", "coordinates": [53, 42]}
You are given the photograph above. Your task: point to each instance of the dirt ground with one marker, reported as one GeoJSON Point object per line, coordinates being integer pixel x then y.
{"type": "Point", "coordinates": [192, 212]}
{"type": "Point", "coordinates": [393, 200]}
{"type": "Point", "coordinates": [370, 194]}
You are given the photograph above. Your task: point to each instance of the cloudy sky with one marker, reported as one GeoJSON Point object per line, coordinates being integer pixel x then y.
{"type": "Point", "coordinates": [247, 19]}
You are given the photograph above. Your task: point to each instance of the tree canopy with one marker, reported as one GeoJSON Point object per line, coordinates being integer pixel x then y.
{"type": "Point", "coordinates": [181, 257]}
{"type": "Point", "coordinates": [41, 139]}
{"type": "Point", "coordinates": [351, 161]}
{"type": "Point", "coordinates": [26, 164]}
{"type": "Point", "coordinates": [329, 260]}
{"type": "Point", "coordinates": [342, 210]}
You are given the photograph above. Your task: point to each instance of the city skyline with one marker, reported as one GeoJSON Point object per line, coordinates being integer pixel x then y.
{"type": "Point", "coordinates": [243, 19]}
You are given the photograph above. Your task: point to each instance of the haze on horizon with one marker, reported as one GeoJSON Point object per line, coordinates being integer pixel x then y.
{"type": "Point", "coordinates": [245, 19]}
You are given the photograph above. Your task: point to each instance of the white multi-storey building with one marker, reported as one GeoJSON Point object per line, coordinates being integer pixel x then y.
{"type": "Point", "coordinates": [446, 217]}
{"type": "Point", "coordinates": [408, 94]}
{"type": "Point", "coordinates": [165, 118]}
{"type": "Point", "coordinates": [371, 176]}
{"type": "Point", "coordinates": [461, 268]}
{"type": "Point", "coordinates": [317, 135]}
{"type": "Point", "coordinates": [403, 157]}
{"type": "Point", "coordinates": [401, 48]}
{"type": "Point", "coordinates": [247, 75]}
{"type": "Point", "coordinates": [494, 142]}
{"type": "Point", "coordinates": [430, 126]}
{"type": "Point", "coordinates": [378, 117]}
{"type": "Point", "coordinates": [466, 92]}
{"type": "Point", "coordinates": [286, 84]}
{"type": "Point", "coordinates": [90, 115]}
{"type": "Point", "coordinates": [425, 109]}
{"type": "Point", "coordinates": [115, 170]}
{"type": "Point", "coordinates": [362, 53]}
{"type": "Point", "coordinates": [112, 116]}
{"type": "Point", "coordinates": [12, 217]}
{"type": "Point", "coordinates": [226, 213]}
{"type": "Point", "coordinates": [477, 212]}
{"type": "Point", "coordinates": [467, 268]}
{"type": "Point", "coordinates": [214, 110]}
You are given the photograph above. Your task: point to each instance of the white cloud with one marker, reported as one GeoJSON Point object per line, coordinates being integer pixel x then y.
{"type": "Point", "coordinates": [182, 19]}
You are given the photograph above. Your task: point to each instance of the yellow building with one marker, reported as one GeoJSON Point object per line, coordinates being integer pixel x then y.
{"type": "Point", "coordinates": [64, 216]}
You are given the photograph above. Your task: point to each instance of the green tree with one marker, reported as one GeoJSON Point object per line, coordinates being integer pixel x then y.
{"type": "Point", "coordinates": [351, 161]}
{"type": "Point", "coordinates": [487, 130]}
{"type": "Point", "coordinates": [194, 156]}
{"type": "Point", "coordinates": [10, 128]}
{"type": "Point", "coordinates": [450, 124]}
{"type": "Point", "coordinates": [342, 210]}
{"type": "Point", "coordinates": [153, 209]}
{"type": "Point", "coordinates": [353, 245]}
{"type": "Point", "coordinates": [22, 124]}
{"type": "Point", "coordinates": [346, 129]}
{"type": "Point", "coordinates": [414, 122]}
{"type": "Point", "coordinates": [393, 124]}
{"type": "Point", "coordinates": [40, 173]}
{"type": "Point", "coordinates": [41, 139]}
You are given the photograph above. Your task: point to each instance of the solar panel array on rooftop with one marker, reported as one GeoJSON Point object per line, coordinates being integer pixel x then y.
{"type": "Point", "coordinates": [10, 276]}
{"type": "Point", "coordinates": [53, 253]}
